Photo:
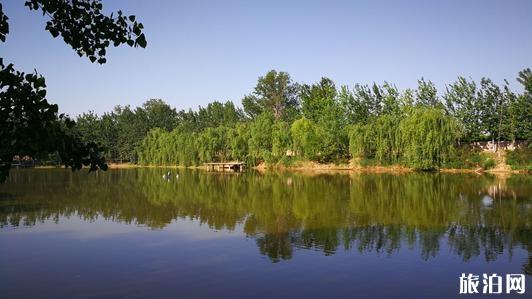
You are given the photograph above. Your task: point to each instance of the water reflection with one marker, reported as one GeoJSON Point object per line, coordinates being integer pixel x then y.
{"type": "Point", "coordinates": [475, 215]}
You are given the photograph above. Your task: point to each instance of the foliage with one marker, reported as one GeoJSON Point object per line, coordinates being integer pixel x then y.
{"type": "Point", "coordinates": [426, 94]}
{"type": "Point", "coordinates": [306, 137]}
{"type": "Point", "coordinates": [376, 140]}
{"type": "Point", "coordinates": [281, 139]}
{"type": "Point", "coordinates": [239, 141]}
{"type": "Point", "coordinates": [525, 79]}
{"type": "Point", "coordinates": [424, 139]}
{"type": "Point", "coordinates": [461, 102]}
{"type": "Point", "coordinates": [375, 124]}
{"type": "Point", "coordinates": [520, 158]}
{"type": "Point", "coordinates": [465, 157]}
{"type": "Point", "coordinates": [82, 25]}
{"type": "Point", "coordinates": [361, 141]}
{"type": "Point", "coordinates": [260, 141]}
{"type": "Point", "coordinates": [274, 93]}
{"type": "Point", "coordinates": [317, 98]}
{"type": "Point", "coordinates": [428, 138]}
{"type": "Point", "coordinates": [322, 106]}
{"type": "Point", "coordinates": [30, 126]}
{"type": "Point", "coordinates": [169, 148]}
{"type": "Point", "coordinates": [489, 163]}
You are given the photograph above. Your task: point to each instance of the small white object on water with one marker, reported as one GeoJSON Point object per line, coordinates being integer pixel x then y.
{"type": "Point", "coordinates": [487, 201]}
{"type": "Point", "coordinates": [177, 175]}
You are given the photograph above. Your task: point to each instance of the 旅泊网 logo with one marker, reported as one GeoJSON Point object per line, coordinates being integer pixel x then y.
{"type": "Point", "coordinates": [492, 284]}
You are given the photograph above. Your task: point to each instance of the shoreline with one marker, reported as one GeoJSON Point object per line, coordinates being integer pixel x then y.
{"type": "Point", "coordinates": [324, 168]}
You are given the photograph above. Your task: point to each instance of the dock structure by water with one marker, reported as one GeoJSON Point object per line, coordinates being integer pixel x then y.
{"type": "Point", "coordinates": [226, 166]}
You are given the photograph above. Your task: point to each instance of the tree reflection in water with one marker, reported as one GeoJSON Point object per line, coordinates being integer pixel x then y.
{"type": "Point", "coordinates": [475, 215]}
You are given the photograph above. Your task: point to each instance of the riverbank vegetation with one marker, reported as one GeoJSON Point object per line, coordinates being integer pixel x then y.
{"type": "Point", "coordinates": [282, 122]}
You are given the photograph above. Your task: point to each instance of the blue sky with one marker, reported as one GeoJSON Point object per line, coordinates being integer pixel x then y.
{"type": "Point", "coordinates": [201, 51]}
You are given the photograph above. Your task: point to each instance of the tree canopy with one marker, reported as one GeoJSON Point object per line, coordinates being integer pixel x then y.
{"type": "Point", "coordinates": [379, 123]}
{"type": "Point", "coordinates": [275, 93]}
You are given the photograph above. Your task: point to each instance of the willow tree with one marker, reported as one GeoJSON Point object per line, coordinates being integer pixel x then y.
{"type": "Point", "coordinates": [428, 138]}
{"type": "Point", "coordinates": [281, 139]}
{"type": "Point", "coordinates": [361, 141]}
{"type": "Point", "coordinates": [376, 140]}
{"type": "Point", "coordinates": [307, 138]}
{"type": "Point", "coordinates": [260, 142]}
{"type": "Point", "coordinates": [239, 137]}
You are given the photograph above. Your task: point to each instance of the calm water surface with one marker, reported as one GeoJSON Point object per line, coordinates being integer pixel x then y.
{"type": "Point", "coordinates": [132, 234]}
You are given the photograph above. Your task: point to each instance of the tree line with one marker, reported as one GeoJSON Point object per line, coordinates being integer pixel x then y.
{"type": "Point", "coordinates": [282, 121]}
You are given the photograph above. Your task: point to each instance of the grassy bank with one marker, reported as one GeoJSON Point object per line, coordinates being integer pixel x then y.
{"type": "Point", "coordinates": [466, 160]}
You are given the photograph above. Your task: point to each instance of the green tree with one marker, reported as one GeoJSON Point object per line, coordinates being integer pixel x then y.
{"type": "Point", "coordinates": [428, 138]}
{"type": "Point", "coordinates": [275, 93]}
{"type": "Point", "coordinates": [377, 140]}
{"type": "Point", "coordinates": [321, 105]}
{"type": "Point", "coordinates": [102, 130]}
{"type": "Point", "coordinates": [160, 115]}
{"type": "Point", "coordinates": [525, 78]}
{"type": "Point", "coordinates": [461, 102]}
{"type": "Point", "coordinates": [239, 141]}
{"type": "Point", "coordinates": [520, 109]}
{"type": "Point", "coordinates": [218, 114]}
{"type": "Point", "coordinates": [260, 142]}
{"type": "Point", "coordinates": [427, 94]}
{"type": "Point", "coordinates": [391, 99]}
{"type": "Point", "coordinates": [361, 141]}
{"type": "Point", "coordinates": [281, 139]}
{"type": "Point", "coordinates": [214, 145]}
{"type": "Point", "coordinates": [318, 98]}
{"type": "Point", "coordinates": [493, 109]}
{"type": "Point", "coordinates": [109, 135]}
{"type": "Point", "coordinates": [306, 136]}
{"type": "Point", "coordinates": [88, 126]}
{"type": "Point", "coordinates": [132, 126]}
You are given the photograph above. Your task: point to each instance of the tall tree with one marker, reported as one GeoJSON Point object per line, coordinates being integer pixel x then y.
{"type": "Point", "coordinates": [274, 93]}
{"type": "Point", "coordinates": [493, 107]}
{"type": "Point", "coordinates": [317, 98]}
{"type": "Point", "coordinates": [525, 78]}
{"type": "Point", "coordinates": [521, 108]}
{"type": "Point", "coordinates": [427, 94]}
{"type": "Point", "coordinates": [132, 127]}
{"type": "Point", "coordinates": [260, 141]}
{"type": "Point", "coordinates": [321, 105]}
{"type": "Point", "coordinates": [359, 104]}
{"type": "Point", "coordinates": [218, 114]}
{"type": "Point", "coordinates": [160, 115]}
{"type": "Point", "coordinates": [461, 102]}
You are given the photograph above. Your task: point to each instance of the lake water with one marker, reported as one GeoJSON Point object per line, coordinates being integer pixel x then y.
{"type": "Point", "coordinates": [133, 234]}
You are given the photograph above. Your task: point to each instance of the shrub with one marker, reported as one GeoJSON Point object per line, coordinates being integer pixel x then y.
{"type": "Point", "coordinates": [520, 158]}
{"type": "Point", "coordinates": [489, 163]}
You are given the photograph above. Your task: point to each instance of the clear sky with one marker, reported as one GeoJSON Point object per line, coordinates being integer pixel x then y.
{"type": "Point", "coordinates": [201, 51]}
